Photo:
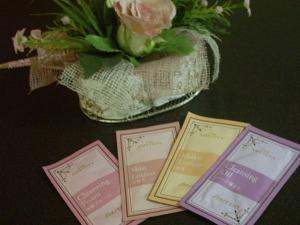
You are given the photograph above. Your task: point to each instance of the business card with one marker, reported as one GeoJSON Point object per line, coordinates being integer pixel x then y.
{"type": "Point", "coordinates": [88, 181]}
{"type": "Point", "coordinates": [243, 182]}
{"type": "Point", "coordinates": [199, 144]}
{"type": "Point", "coordinates": [142, 154]}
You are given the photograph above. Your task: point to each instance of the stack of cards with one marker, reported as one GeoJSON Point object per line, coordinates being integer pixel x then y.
{"type": "Point", "coordinates": [225, 171]}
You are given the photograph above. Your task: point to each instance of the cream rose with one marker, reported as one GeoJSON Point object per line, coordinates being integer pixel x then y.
{"type": "Point", "coordinates": [148, 17]}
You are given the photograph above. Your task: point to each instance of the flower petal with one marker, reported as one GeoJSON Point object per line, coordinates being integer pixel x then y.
{"type": "Point", "coordinates": [148, 17]}
{"type": "Point", "coordinates": [247, 6]}
{"type": "Point", "coordinates": [19, 40]}
{"type": "Point", "coordinates": [36, 34]}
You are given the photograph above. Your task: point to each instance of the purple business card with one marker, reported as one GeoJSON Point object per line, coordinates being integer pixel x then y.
{"type": "Point", "coordinates": [243, 182]}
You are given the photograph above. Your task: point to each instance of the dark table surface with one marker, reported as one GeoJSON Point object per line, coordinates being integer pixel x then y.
{"type": "Point", "coordinates": [259, 83]}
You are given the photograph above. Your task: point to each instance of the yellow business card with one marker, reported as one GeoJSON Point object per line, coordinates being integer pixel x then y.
{"type": "Point", "coordinates": [199, 144]}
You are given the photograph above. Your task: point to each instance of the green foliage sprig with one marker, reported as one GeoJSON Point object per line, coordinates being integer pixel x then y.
{"type": "Point", "coordinates": [192, 13]}
{"type": "Point", "coordinates": [172, 43]}
{"type": "Point", "coordinates": [92, 29]}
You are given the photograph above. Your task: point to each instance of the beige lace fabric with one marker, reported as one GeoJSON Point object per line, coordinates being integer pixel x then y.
{"type": "Point", "coordinates": [123, 90]}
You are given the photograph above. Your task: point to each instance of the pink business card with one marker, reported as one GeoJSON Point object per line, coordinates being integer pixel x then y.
{"type": "Point", "coordinates": [142, 154]}
{"type": "Point", "coordinates": [88, 181]}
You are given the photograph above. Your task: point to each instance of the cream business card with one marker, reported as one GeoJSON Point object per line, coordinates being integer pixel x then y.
{"type": "Point", "coordinates": [199, 144]}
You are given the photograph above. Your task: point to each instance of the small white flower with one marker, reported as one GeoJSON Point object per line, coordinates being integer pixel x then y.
{"type": "Point", "coordinates": [204, 3]}
{"type": "Point", "coordinates": [36, 34]}
{"type": "Point", "coordinates": [219, 9]}
{"type": "Point", "coordinates": [19, 40]}
{"type": "Point", "coordinates": [65, 20]}
{"type": "Point", "coordinates": [247, 6]}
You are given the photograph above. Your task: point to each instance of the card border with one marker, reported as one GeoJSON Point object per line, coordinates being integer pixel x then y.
{"type": "Point", "coordinates": [269, 195]}
{"type": "Point", "coordinates": [125, 208]}
{"type": "Point", "coordinates": [154, 195]}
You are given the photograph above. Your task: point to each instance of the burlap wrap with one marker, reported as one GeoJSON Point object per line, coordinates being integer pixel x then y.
{"type": "Point", "coordinates": [46, 68]}
{"type": "Point", "coordinates": [123, 90]}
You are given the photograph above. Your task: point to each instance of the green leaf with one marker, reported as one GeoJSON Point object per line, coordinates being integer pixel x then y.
{"type": "Point", "coordinates": [60, 44]}
{"type": "Point", "coordinates": [173, 43]}
{"type": "Point", "coordinates": [96, 6]}
{"type": "Point", "coordinates": [101, 43]}
{"type": "Point", "coordinates": [75, 14]}
{"type": "Point", "coordinates": [133, 60]}
{"type": "Point", "coordinates": [92, 63]}
{"type": "Point", "coordinates": [90, 15]}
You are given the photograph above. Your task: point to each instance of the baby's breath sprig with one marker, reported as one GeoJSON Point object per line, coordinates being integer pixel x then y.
{"type": "Point", "coordinates": [195, 13]}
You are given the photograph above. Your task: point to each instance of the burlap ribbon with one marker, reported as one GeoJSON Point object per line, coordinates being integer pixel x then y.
{"type": "Point", "coordinates": [123, 90]}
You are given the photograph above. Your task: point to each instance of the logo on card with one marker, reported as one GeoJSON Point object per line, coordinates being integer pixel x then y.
{"type": "Point", "coordinates": [234, 212]}
{"type": "Point", "coordinates": [252, 142]}
{"type": "Point", "coordinates": [132, 142]}
{"type": "Point", "coordinates": [198, 128]}
{"type": "Point", "coordinates": [64, 172]}
{"type": "Point", "coordinates": [204, 130]}
{"type": "Point", "coordinates": [256, 145]}
{"type": "Point", "coordinates": [138, 143]}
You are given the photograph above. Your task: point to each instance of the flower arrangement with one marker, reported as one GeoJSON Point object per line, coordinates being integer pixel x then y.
{"type": "Point", "coordinates": [102, 33]}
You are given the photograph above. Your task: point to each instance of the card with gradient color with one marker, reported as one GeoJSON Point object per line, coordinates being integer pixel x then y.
{"type": "Point", "coordinates": [142, 154]}
{"type": "Point", "coordinates": [243, 182]}
{"type": "Point", "coordinates": [199, 144]}
{"type": "Point", "coordinates": [88, 181]}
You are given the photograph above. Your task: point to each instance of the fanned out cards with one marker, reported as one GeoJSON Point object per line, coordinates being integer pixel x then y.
{"type": "Point", "coordinates": [225, 171]}
{"type": "Point", "coordinates": [142, 154]}
{"type": "Point", "coordinates": [199, 144]}
{"type": "Point", "coordinates": [88, 181]}
{"type": "Point", "coordinates": [243, 182]}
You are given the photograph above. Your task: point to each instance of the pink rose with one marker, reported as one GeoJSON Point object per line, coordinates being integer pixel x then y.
{"type": "Point", "coordinates": [147, 17]}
